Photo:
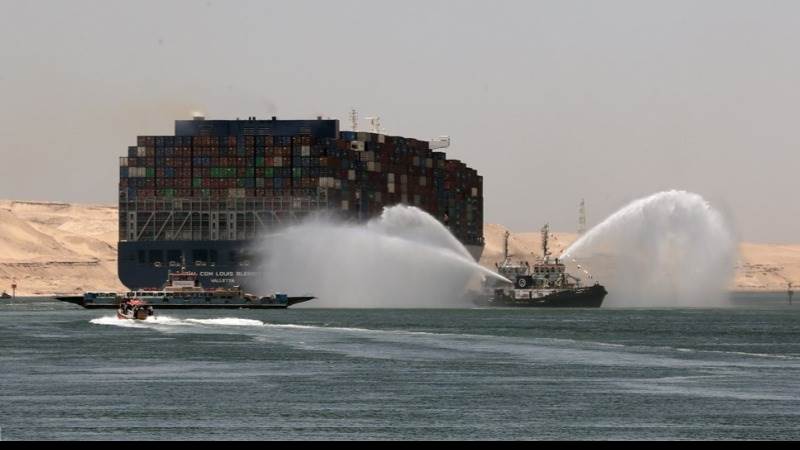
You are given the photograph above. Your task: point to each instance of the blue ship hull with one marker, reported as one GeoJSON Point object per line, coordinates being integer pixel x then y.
{"type": "Point", "coordinates": [145, 264]}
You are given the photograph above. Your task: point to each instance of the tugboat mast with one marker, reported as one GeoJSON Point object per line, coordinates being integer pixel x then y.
{"type": "Point", "coordinates": [505, 245]}
{"type": "Point", "coordinates": [545, 243]}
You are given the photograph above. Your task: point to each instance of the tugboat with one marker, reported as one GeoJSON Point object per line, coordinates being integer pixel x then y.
{"type": "Point", "coordinates": [5, 295]}
{"type": "Point", "coordinates": [134, 309]}
{"type": "Point", "coordinates": [546, 284]}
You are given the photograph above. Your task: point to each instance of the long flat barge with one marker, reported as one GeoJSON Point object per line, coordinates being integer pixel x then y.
{"type": "Point", "coordinates": [92, 301]}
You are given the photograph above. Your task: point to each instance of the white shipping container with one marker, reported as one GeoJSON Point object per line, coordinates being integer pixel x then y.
{"type": "Point", "coordinates": [141, 152]}
{"type": "Point", "coordinates": [277, 161]}
{"type": "Point", "coordinates": [390, 178]}
{"type": "Point", "coordinates": [327, 182]}
{"type": "Point", "coordinates": [123, 162]}
{"type": "Point", "coordinates": [474, 192]}
{"type": "Point", "coordinates": [305, 150]}
{"type": "Point", "coordinates": [381, 138]}
{"type": "Point", "coordinates": [351, 175]}
{"type": "Point", "coordinates": [390, 188]}
{"type": "Point", "coordinates": [345, 204]}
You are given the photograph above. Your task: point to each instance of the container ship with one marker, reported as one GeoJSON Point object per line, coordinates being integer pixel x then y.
{"type": "Point", "coordinates": [202, 196]}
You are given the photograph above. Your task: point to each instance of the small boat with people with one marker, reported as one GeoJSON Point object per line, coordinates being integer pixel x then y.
{"type": "Point", "coordinates": [134, 309]}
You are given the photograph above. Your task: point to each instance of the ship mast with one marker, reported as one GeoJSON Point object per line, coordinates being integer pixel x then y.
{"type": "Point", "coordinates": [505, 245]}
{"type": "Point", "coordinates": [545, 242]}
{"type": "Point", "coordinates": [354, 119]}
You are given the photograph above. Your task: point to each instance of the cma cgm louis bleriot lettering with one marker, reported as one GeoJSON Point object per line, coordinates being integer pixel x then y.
{"type": "Point", "coordinates": [200, 197]}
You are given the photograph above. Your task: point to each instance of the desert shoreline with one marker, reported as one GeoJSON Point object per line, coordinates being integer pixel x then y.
{"type": "Point", "coordinates": [58, 248]}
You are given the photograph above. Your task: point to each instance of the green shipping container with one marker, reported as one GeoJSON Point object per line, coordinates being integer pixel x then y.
{"type": "Point", "coordinates": [197, 183]}
{"type": "Point", "coordinates": [268, 172]}
{"type": "Point", "coordinates": [151, 172]}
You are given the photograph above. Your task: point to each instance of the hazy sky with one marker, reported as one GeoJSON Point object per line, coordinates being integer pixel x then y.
{"type": "Point", "coordinates": [551, 101]}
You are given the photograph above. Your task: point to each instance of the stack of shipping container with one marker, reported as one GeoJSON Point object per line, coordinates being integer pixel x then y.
{"type": "Point", "coordinates": [359, 174]}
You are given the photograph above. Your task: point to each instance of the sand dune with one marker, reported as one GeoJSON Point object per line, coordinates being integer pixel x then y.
{"type": "Point", "coordinates": [60, 248]}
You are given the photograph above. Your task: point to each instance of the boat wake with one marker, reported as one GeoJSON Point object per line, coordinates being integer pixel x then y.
{"type": "Point", "coordinates": [172, 321]}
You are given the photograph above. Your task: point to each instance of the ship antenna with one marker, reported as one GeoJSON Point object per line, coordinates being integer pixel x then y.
{"type": "Point", "coordinates": [375, 125]}
{"type": "Point", "coordinates": [354, 119]}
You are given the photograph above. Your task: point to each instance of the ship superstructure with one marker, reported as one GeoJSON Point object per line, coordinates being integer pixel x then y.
{"type": "Point", "coordinates": [204, 194]}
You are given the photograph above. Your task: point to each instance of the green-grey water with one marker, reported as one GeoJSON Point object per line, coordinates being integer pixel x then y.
{"type": "Point", "coordinates": [726, 373]}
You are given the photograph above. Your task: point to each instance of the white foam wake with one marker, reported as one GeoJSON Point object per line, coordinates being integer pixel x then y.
{"type": "Point", "coordinates": [172, 321]}
{"type": "Point", "coordinates": [228, 321]}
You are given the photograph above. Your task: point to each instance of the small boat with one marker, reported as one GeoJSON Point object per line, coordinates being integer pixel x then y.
{"type": "Point", "coordinates": [5, 295]}
{"type": "Point", "coordinates": [134, 309]}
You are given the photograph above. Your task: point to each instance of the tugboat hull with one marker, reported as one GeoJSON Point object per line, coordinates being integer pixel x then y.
{"type": "Point", "coordinates": [587, 297]}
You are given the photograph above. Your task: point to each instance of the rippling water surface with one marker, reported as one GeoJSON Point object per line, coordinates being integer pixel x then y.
{"type": "Point", "coordinates": [728, 373]}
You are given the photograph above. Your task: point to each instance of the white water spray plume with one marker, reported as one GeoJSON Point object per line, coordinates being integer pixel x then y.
{"type": "Point", "coordinates": [404, 258]}
{"type": "Point", "coordinates": [669, 249]}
